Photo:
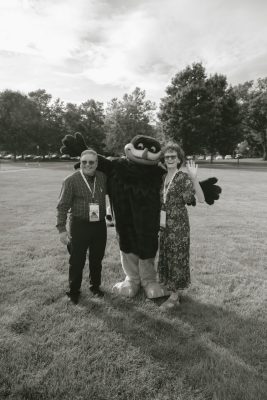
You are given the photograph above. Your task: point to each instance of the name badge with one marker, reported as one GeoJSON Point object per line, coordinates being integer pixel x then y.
{"type": "Point", "coordinates": [93, 212]}
{"type": "Point", "coordinates": [163, 219]}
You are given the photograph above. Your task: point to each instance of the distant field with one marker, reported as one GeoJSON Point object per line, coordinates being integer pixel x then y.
{"type": "Point", "coordinates": [213, 347]}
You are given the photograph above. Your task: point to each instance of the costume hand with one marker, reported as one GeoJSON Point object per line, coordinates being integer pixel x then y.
{"type": "Point", "coordinates": [210, 190]}
{"type": "Point", "coordinates": [73, 145]}
{"type": "Point", "coordinates": [64, 238]}
{"type": "Point", "coordinates": [191, 169]}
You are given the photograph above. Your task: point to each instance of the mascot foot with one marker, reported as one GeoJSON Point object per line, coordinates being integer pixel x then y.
{"type": "Point", "coordinates": [126, 288]}
{"type": "Point", "coordinates": [154, 290]}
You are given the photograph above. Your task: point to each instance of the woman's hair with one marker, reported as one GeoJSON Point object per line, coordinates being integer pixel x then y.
{"type": "Point", "coordinates": [171, 146]}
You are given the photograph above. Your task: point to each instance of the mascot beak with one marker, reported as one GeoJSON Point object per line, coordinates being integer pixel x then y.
{"type": "Point", "coordinates": [144, 155]}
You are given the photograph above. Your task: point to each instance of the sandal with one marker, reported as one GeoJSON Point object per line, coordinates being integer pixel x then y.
{"type": "Point", "coordinates": [169, 304]}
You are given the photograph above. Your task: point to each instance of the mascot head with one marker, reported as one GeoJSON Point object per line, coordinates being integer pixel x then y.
{"type": "Point", "coordinates": [143, 150]}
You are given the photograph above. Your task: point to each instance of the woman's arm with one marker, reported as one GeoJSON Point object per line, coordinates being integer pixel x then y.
{"type": "Point", "coordinates": [192, 172]}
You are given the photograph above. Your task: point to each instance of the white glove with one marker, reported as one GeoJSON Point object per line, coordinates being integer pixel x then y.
{"type": "Point", "coordinates": [64, 237]}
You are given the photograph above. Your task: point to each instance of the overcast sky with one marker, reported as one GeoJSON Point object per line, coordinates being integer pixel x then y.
{"type": "Point", "coordinates": [82, 49]}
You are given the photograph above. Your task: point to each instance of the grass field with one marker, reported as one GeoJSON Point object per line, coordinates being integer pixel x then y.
{"type": "Point", "coordinates": [213, 347]}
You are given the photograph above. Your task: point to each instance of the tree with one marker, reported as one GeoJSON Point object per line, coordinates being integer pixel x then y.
{"type": "Point", "coordinates": [57, 127]}
{"type": "Point", "coordinates": [242, 148]}
{"type": "Point", "coordinates": [224, 117]}
{"type": "Point", "coordinates": [88, 119]}
{"type": "Point", "coordinates": [92, 123]}
{"type": "Point", "coordinates": [19, 118]}
{"type": "Point", "coordinates": [243, 94]}
{"type": "Point", "coordinates": [126, 118]}
{"type": "Point", "coordinates": [72, 118]}
{"type": "Point", "coordinates": [183, 111]}
{"type": "Point", "coordinates": [201, 113]}
{"type": "Point", "coordinates": [50, 131]}
{"type": "Point", "coordinates": [253, 100]}
{"type": "Point", "coordinates": [257, 113]}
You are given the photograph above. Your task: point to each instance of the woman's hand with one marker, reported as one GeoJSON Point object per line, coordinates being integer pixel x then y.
{"type": "Point", "coordinates": [192, 169]}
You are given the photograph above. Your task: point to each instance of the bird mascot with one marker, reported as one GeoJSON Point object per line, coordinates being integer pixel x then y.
{"type": "Point", "coordinates": [134, 183]}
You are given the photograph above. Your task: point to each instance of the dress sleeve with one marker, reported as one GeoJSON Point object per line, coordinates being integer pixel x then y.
{"type": "Point", "coordinates": [188, 190]}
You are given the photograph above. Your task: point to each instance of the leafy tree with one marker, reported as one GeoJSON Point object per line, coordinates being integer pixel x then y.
{"type": "Point", "coordinates": [183, 111]}
{"type": "Point", "coordinates": [201, 113]}
{"type": "Point", "coordinates": [92, 123]}
{"type": "Point", "coordinates": [224, 115]}
{"type": "Point", "coordinates": [88, 118]}
{"type": "Point", "coordinates": [253, 100]}
{"type": "Point", "coordinates": [257, 113]}
{"type": "Point", "coordinates": [242, 148]}
{"type": "Point", "coordinates": [243, 94]}
{"type": "Point", "coordinates": [127, 118]}
{"type": "Point", "coordinates": [42, 100]}
{"type": "Point", "coordinates": [72, 118]}
{"type": "Point", "coordinates": [19, 118]}
{"type": "Point", "coordinates": [57, 127]}
{"type": "Point", "coordinates": [50, 131]}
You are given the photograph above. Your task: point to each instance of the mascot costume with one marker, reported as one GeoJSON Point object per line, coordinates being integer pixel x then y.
{"type": "Point", "coordinates": [134, 183]}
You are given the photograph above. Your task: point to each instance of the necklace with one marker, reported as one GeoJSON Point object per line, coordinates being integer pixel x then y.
{"type": "Point", "coordinates": [166, 186]}
{"type": "Point", "coordinates": [170, 176]}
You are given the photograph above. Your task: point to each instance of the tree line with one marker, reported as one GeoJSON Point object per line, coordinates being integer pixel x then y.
{"type": "Point", "coordinates": [203, 113]}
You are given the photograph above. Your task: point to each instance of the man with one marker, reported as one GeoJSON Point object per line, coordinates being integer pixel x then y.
{"type": "Point", "coordinates": [83, 193]}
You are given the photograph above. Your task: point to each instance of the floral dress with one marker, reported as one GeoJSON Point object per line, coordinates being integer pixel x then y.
{"type": "Point", "coordinates": [173, 266]}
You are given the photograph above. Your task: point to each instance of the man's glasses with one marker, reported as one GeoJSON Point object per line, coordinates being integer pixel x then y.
{"type": "Point", "coordinates": [170, 157]}
{"type": "Point", "coordinates": [88, 162]}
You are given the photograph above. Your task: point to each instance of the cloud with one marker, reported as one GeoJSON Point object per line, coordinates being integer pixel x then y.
{"type": "Point", "coordinates": [114, 45]}
{"type": "Point", "coordinates": [49, 29]}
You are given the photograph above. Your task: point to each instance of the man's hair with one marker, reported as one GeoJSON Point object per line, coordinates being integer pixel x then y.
{"type": "Point", "coordinates": [89, 151]}
{"type": "Point", "coordinates": [172, 146]}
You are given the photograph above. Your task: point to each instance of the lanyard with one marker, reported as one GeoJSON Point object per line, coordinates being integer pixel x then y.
{"type": "Point", "coordinates": [87, 184]}
{"type": "Point", "coordinates": [165, 190]}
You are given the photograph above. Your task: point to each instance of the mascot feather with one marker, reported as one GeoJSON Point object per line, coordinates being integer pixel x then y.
{"type": "Point", "coordinates": [134, 183]}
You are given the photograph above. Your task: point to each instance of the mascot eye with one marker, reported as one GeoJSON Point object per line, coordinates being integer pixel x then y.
{"type": "Point", "coordinates": [140, 146]}
{"type": "Point", "coordinates": [153, 149]}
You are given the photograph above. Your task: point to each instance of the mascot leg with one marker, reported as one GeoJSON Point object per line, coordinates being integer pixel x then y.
{"type": "Point", "coordinates": [131, 285]}
{"type": "Point", "coordinates": [148, 277]}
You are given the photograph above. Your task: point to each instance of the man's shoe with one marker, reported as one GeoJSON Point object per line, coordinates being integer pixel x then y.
{"type": "Point", "coordinates": [96, 292]}
{"type": "Point", "coordinates": [74, 297]}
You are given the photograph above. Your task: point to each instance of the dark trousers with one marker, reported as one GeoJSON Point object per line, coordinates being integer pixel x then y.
{"type": "Point", "coordinates": [86, 235]}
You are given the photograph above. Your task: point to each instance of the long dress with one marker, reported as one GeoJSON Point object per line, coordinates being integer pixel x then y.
{"type": "Point", "coordinates": [173, 265]}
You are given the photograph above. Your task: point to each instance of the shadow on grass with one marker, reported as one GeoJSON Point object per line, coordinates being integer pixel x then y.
{"type": "Point", "coordinates": [211, 348]}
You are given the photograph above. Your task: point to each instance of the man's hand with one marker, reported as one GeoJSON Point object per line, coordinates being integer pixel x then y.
{"type": "Point", "coordinates": [191, 169]}
{"type": "Point", "coordinates": [64, 238]}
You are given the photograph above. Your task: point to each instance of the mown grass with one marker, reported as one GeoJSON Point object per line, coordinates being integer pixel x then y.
{"type": "Point", "coordinates": [213, 347]}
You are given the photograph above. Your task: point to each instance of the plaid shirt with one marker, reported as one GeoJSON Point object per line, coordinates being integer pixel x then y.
{"type": "Point", "coordinates": [75, 196]}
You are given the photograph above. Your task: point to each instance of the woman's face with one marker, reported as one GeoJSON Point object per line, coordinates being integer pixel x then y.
{"type": "Point", "coordinates": [171, 159]}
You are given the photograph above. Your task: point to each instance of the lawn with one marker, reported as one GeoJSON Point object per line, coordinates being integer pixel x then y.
{"type": "Point", "coordinates": [213, 347]}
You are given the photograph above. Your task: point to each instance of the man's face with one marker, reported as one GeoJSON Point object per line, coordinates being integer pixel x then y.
{"type": "Point", "coordinates": [88, 164]}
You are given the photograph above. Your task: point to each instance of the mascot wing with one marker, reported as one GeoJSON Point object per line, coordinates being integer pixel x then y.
{"type": "Point", "coordinates": [210, 190]}
{"type": "Point", "coordinates": [73, 145]}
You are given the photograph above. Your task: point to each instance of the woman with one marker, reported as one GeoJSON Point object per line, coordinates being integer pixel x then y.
{"type": "Point", "coordinates": [178, 189]}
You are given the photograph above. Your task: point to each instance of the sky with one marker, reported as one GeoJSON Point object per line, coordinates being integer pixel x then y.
{"type": "Point", "coordinates": [100, 49]}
